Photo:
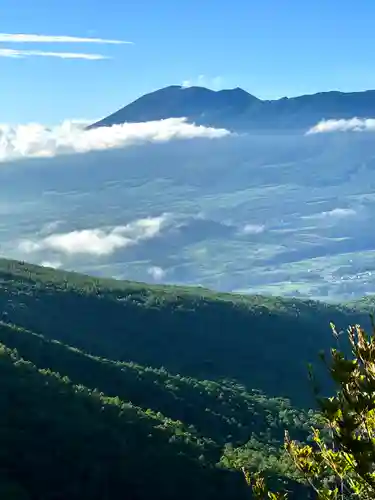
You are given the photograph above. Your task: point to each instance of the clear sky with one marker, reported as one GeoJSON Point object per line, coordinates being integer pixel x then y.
{"type": "Point", "coordinates": [271, 48]}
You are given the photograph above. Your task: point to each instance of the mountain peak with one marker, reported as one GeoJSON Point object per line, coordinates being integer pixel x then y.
{"type": "Point", "coordinates": [236, 109]}
{"type": "Point", "coordinates": [176, 101]}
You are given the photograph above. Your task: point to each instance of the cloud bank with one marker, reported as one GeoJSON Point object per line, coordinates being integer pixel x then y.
{"type": "Point", "coordinates": [96, 242]}
{"type": "Point", "coordinates": [351, 125]}
{"type": "Point", "coordinates": [35, 140]}
{"type": "Point", "coordinates": [35, 38]}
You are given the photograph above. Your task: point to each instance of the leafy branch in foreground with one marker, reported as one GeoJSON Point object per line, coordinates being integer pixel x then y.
{"type": "Point", "coordinates": [340, 462]}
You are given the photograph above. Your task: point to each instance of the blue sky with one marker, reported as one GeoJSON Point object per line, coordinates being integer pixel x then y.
{"type": "Point", "coordinates": [271, 48]}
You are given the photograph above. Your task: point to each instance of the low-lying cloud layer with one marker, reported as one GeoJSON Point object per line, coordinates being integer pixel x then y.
{"type": "Point", "coordinates": [351, 125]}
{"type": "Point", "coordinates": [97, 241]}
{"type": "Point", "coordinates": [35, 140]}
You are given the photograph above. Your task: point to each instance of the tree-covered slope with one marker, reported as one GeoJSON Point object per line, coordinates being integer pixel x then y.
{"type": "Point", "coordinates": [261, 342]}
{"type": "Point", "coordinates": [188, 426]}
{"type": "Point", "coordinates": [115, 389]}
{"type": "Point", "coordinates": [222, 412]}
{"type": "Point", "coordinates": [59, 440]}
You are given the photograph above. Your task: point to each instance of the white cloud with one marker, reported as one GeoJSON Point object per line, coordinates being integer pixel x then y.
{"type": "Point", "coordinates": [87, 241]}
{"type": "Point", "coordinates": [351, 125]}
{"type": "Point", "coordinates": [156, 272]}
{"type": "Point", "coordinates": [97, 242]}
{"type": "Point", "coordinates": [34, 38]}
{"type": "Point", "coordinates": [19, 54]}
{"type": "Point", "coordinates": [214, 83]}
{"type": "Point", "coordinates": [55, 264]}
{"type": "Point", "coordinates": [253, 229]}
{"type": "Point", "coordinates": [35, 140]}
{"type": "Point", "coordinates": [336, 213]}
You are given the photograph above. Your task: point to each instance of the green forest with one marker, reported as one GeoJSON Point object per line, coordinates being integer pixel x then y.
{"type": "Point", "coordinates": [121, 390]}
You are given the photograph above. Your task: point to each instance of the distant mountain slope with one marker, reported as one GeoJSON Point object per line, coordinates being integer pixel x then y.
{"type": "Point", "coordinates": [238, 110]}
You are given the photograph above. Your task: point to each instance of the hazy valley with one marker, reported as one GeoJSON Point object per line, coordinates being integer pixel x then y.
{"type": "Point", "coordinates": [286, 214]}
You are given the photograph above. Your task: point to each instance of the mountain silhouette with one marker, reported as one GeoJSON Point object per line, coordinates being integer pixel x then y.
{"type": "Point", "coordinates": [236, 109]}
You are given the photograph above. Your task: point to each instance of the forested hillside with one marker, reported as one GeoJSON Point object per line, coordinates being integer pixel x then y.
{"type": "Point", "coordinates": [122, 390]}
{"type": "Point", "coordinates": [192, 332]}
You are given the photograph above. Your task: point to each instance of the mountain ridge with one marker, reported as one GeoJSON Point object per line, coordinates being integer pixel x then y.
{"type": "Point", "coordinates": [237, 109]}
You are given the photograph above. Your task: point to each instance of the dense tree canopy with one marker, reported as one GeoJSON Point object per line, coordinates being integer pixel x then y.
{"type": "Point", "coordinates": [122, 390]}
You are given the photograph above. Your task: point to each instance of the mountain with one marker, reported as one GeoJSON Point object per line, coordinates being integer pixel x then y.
{"type": "Point", "coordinates": [115, 389]}
{"type": "Point", "coordinates": [195, 103]}
{"type": "Point", "coordinates": [236, 109]}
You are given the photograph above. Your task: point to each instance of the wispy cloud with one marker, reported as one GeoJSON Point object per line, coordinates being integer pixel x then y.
{"type": "Point", "coordinates": [351, 125]}
{"type": "Point", "coordinates": [214, 83]}
{"type": "Point", "coordinates": [35, 140]}
{"type": "Point", "coordinates": [338, 213]}
{"type": "Point", "coordinates": [34, 38]}
{"type": "Point", "coordinates": [17, 54]}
